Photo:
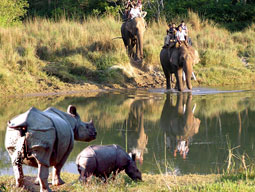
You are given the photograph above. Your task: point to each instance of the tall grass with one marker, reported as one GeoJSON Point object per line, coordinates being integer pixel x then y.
{"type": "Point", "coordinates": [43, 55]}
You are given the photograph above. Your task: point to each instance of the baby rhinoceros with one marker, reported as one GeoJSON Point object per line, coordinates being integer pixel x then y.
{"type": "Point", "coordinates": [102, 160]}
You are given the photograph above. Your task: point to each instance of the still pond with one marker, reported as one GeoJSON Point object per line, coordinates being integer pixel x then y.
{"type": "Point", "coordinates": [175, 133]}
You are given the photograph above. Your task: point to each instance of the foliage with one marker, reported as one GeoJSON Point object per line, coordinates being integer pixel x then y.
{"type": "Point", "coordinates": [72, 8]}
{"type": "Point", "coordinates": [233, 15]}
{"type": "Point", "coordinates": [11, 11]}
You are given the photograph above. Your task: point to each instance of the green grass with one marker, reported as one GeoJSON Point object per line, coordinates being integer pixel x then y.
{"type": "Point", "coordinates": [190, 183]}
{"type": "Point", "coordinates": [42, 55]}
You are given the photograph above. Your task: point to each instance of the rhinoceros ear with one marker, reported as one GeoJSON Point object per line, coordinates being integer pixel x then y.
{"type": "Point", "coordinates": [133, 156]}
{"type": "Point", "coordinates": [72, 110]}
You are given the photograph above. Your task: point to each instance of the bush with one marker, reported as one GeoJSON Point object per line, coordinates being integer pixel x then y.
{"type": "Point", "coordinates": [11, 12]}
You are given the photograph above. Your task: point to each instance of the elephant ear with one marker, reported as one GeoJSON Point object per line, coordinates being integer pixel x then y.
{"type": "Point", "coordinates": [72, 110]}
{"type": "Point", "coordinates": [130, 27]}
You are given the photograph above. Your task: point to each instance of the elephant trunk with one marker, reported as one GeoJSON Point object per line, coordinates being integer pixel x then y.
{"type": "Point", "coordinates": [188, 68]}
{"type": "Point", "coordinates": [140, 45]}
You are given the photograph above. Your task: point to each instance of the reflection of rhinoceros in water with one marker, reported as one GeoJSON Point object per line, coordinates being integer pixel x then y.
{"type": "Point", "coordinates": [44, 139]}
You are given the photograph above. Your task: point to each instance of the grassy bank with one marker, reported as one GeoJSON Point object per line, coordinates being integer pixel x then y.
{"type": "Point", "coordinates": [42, 55]}
{"type": "Point", "coordinates": [187, 183]}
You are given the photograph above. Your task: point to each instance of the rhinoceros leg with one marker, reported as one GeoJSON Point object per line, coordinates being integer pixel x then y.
{"type": "Point", "coordinates": [37, 181]}
{"type": "Point", "coordinates": [82, 177]}
{"type": "Point", "coordinates": [17, 157]}
{"type": "Point", "coordinates": [56, 180]}
{"type": "Point", "coordinates": [87, 168]}
{"type": "Point", "coordinates": [43, 173]}
{"type": "Point", "coordinates": [19, 176]}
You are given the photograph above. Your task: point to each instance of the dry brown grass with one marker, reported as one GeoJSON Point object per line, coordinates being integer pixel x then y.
{"type": "Point", "coordinates": [44, 55]}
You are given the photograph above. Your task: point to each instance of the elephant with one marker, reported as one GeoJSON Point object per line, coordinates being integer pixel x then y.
{"type": "Point", "coordinates": [178, 121]}
{"type": "Point", "coordinates": [43, 139]}
{"type": "Point", "coordinates": [132, 32]}
{"type": "Point", "coordinates": [176, 60]}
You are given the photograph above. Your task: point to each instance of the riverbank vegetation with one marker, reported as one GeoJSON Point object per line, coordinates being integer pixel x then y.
{"type": "Point", "coordinates": [43, 55]}
{"type": "Point", "coordinates": [187, 183]}
{"type": "Point", "coordinates": [72, 45]}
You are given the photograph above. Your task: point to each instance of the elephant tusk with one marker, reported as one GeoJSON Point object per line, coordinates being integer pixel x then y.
{"type": "Point", "coordinates": [116, 38]}
{"type": "Point", "coordinates": [144, 13]}
{"type": "Point", "coordinates": [183, 75]}
{"type": "Point", "coordinates": [193, 74]}
{"type": "Point", "coordinates": [194, 108]}
{"type": "Point", "coordinates": [184, 108]}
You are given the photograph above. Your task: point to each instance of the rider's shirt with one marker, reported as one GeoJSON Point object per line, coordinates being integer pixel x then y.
{"type": "Point", "coordinates": [181, 35]}
{"type": "Point", "coordinates": [135, 12]}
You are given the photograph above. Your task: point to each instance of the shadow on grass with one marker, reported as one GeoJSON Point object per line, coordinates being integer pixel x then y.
{"type": "Point", "coordinates": [67, 71]}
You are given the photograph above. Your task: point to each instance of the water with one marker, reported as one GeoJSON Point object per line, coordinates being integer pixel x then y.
{"type": "Point", "coordinates": [170, 132]}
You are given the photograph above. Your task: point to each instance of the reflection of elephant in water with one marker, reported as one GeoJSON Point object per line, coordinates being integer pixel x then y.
{"type": "Point", "coordinates": [132, 34]}
{"type": "Point", "coordinates": [137, 138]}
{"type": "Point", "coordinates": [176, 60]}
{"type": "Point", "coordinates": [178, 121]}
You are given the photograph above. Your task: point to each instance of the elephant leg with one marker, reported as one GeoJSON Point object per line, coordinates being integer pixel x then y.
{"type": "Point", "coordinates": [179, 79]}
{"type": "Point", "coordinates": [133, 43]}
{"type": "Point", "coordinates": [19, 176]}
{"type": "Point", "coordinates": [180, 104]}
{"type": "Point", "coordinates": [171, 77]}
{"type": "Point", "coordinates": [43, 174]}
{"type": "Point", "coordinates": [167, 75]}
{"type": "Point", "coordinates": [189, 103]}
{"type": "Point", "coordinates": [129, 46]}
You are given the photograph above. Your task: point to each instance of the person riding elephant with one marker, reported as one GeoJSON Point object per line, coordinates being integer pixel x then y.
{"type": "Point", "coordinates": [181, 36]}
{"type": "Point", "coordinates": [132, 32]}
{"type": "Point", "coordinates": [129, 5]}
{"type": "Point", "coordinates": [176, 60]}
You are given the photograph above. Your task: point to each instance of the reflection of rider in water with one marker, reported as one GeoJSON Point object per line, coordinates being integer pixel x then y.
{"type": "Point", "coordinates": [182, 148]}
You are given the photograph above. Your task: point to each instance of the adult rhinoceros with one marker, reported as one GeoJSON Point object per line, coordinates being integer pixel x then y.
{"type": "Point", "coordinates": [43, 139]}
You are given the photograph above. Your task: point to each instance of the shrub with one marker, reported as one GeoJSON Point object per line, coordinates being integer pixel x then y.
{"type": "Point", "coordinates": [11, 11]}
